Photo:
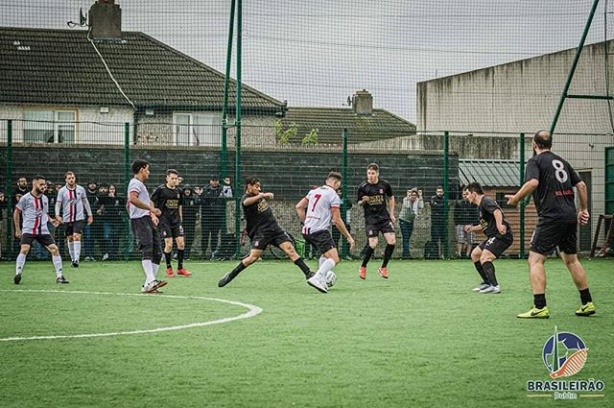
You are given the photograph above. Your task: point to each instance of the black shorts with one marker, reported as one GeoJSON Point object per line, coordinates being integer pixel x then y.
{"type": "Point", "coordinates": [547, 236]}
{"type": "Point", "coordinates": [45, 239]}
{"type": "Point", "coordinates": [170, 230]}
{"type": "Point", "coordinates": [322, 240]}
{"type": "Point", "coordinates": [496, 245]}
{"type": "Point", "coordinates": [74, 228]}
{"type": "Point", "coordinates": [276, 238]}
{"type": "Point", "coordinates": [145, 232]}
{"type": "Point", "coordinates": [373, 230]}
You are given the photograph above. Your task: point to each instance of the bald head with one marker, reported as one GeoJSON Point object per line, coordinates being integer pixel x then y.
{"type": "Point", "coordinates": [542, 139]}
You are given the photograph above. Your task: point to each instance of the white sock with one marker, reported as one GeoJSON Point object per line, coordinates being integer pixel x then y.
{"type": "Point", "coordinates": [154, 269]}
{"type": "Point", "coordinates": [71, 250]}
{"type": "Point", "coordinates": [325, 267]}
{"type": "Point", "coordinates": [147, 268]}
{"type": "Point", "coordinates": [321, 261]}
{"type": "Point", "coordinates": [21, 261]}
{"type": "Point", "coordinates": [57, 263]}
{"type": "Point", "coordinates": [77, 250]}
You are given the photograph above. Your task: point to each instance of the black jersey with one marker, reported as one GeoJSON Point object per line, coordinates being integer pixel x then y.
{"type": "Point", "coordinates": [259, 217]}
{"type": "Point", "coordinates": [168, 200]}
{"type": "Point", "coordinates": [487, 209]}
{"type": "Point", "coordinates": [376, 209]}
{"type": "Point", "coordinates": [554, 197]}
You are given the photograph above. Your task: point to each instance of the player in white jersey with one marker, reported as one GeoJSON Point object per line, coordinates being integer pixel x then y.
{"type": "Point", "coordinates": [70, 208]}
{"type": "Point", "coordinates": [316, 211]}
{"type": "Point", "coordinates": [144, 221]}
{"type": "Point", "coordinates": [34, 207]}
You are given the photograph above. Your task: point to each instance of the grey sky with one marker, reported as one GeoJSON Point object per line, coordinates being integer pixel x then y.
{"type": "Point", "coordinates": [318, 52]}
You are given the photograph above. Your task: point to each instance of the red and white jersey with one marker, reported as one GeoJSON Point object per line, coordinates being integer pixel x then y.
{"type": "Point", "coordinates": [72, 204]}
{"type": "Point", "coordinates": [321, 201]}
{"type": "Point", "coordinates": [34, 211]}
{"type": "Point", "coordinates": [137, 186]}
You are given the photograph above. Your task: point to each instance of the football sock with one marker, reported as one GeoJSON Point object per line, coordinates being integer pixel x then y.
{"type": "Point", "coordinates": [154, 269]}
{"type": "Point", "coordinates": [321, 261]}
{"type": "Point", "coordinates": [71, 249]}
{"type": "Point", "coordinates": [478, 267]}
{"type": "Point", "coordinates": [180, 259]}
{"type": "Point", "coordinates": [585, 296]}
{"type": "Point", "coordinates": [387, 255]}
{"type": "Point", "coordinates": [237, 270]}
{"type": "Point", "coordinates": [77, 250]}
{"type": "Point", "coordinates": [148, 269]}
{"type": "Point", "coordinates": [325, 267]}
{"type": "Point", "coordinates": [57, 264]}
{"type": "Point", "coordinates": [539, 300]}
{"type": "Point", "coordinates": [167, 258]}
{"type": "Point", "coordinates": [489, 271]}
{"type": "Point", "coordinates": [367, 257]}
{"type": "Point", "coordinates": [21, 261]}
{"type": "Point", "coordinates": [301, 264]}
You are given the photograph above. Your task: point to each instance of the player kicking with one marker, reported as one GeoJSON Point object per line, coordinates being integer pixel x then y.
{"type": "Point", "coordinates": [498, 232]}
{"type": "Point", "coordinates": [372, 196]}
{"type": "Point", "coordinates": [167, 198]}
{"type": "Point", "coordinates": [34, 206]}
{"type": "Point", "coordinates": [262, 230]}
{"type": "Point", "coordinates": [143, 220]}
{"type": "Point", "coordinates": [315, 212]}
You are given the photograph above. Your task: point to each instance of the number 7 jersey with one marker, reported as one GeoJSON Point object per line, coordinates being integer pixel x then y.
{"type": "Point", "coordinates": [321, 201]}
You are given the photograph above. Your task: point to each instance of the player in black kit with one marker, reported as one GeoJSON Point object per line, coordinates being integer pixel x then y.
{"type": "Point", "coordinates": [167, 198]}
{"type": "Point", "coordinates": [376, 197]}
{"type": "Point", "coordinates": [498, 233]}
{"type": "Point", "coordinates": [262, 230]}
{"type": "Point", "coordinates": [551, 179]}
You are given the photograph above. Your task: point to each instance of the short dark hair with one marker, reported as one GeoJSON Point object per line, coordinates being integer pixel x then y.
{"type": "Point", "coordinates": [139, 164]}
{"type": "Point", "coordinates": [373, 166]}
{"type": "Point", "coordinates": [475, 187]}
{"type": "Point", "coordinates": [213, 178]}
{"type": "Point", "coordinates": [335, 175]}
{"type": "Point", "coordinates": [171, 171]}
{"type": "Point", "coordinates": [38, 177]}
{"type": "Point", "coordinates": [251, 180]}
{"type": "Point", "coordinates": [542, 139]}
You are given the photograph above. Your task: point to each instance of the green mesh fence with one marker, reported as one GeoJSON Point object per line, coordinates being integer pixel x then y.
{"type": "Point", "coordinates": [90, 86]}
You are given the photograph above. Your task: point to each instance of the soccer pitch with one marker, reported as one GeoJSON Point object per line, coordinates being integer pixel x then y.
{"type": "Point", "coordinates": [420, 339]}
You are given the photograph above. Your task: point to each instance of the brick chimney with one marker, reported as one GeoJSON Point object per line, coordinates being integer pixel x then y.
{"type": "Point", "coordinates": [362, 102]}
{"type": "Point", "coordinates": [105, 18]}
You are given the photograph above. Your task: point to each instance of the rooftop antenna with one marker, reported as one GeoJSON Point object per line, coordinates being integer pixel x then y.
{"type": "Point", "coordinates": [82, 20]}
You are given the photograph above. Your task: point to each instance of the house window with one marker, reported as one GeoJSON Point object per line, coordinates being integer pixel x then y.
{"type": "Point", "coordinates": [197, 129]}
{"type": "Point", "coordinates": [49, 126]}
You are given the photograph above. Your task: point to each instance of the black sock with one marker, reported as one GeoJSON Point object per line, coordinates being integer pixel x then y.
{"type": "Point", "coordinates": [233, 274]}
{"type": "Point", "coordinates": [539, 300]}
{"type": "Point", "coordinates": [167, 257]}
{"type": "Point", "coordinates": [387, 255]}
{"type": "Point", "coordinates": [180, 259]}
{"type": "Point", "coordinates": [489, 271]}
{"type": "Point", "coordinates": [478, 267]}
{"type": "Point", "coordinates": [585, 296]}
{"type": "Point", "coordinates": [301, 264]}
{"type": "Point", "coordinates": [367, 257]}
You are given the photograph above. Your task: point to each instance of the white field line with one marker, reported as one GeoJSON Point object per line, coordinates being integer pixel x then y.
{"type": "Point", "coordinates": [252, 311]}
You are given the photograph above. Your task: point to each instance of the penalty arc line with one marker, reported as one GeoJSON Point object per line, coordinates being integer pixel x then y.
{"type": "Point", "coordinates": [252, 311]}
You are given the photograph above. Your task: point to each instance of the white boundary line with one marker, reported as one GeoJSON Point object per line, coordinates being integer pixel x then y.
{"type": "Point", "coordinates": [252, 311]}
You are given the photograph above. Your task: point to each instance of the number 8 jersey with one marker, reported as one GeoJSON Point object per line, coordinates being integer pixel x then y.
{"type": "Point", "coordinates": [554, 196]}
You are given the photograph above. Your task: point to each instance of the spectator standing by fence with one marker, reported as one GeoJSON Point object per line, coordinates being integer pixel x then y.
{"type": "Point", "coordinates": [412, 204]}
{"type": "Point", "coordinates": [213, 208]}
{"type": "Point", "coordinates": [438, 218]}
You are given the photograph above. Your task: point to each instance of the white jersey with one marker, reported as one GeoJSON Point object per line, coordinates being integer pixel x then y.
{"type": "Point", "coordinates": [34, 211]}
{"type": "Point", "coordinates": [137, 186]}
{"type": "Point", "coordinates": [321, 201]}
{"type": "Point", "coordinates": [72, 204]}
